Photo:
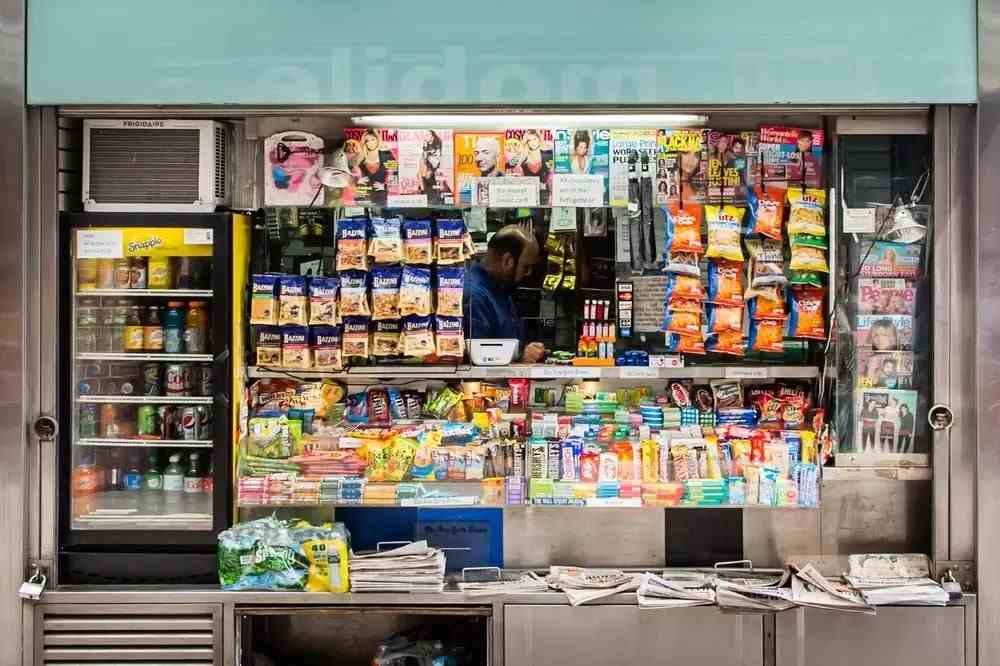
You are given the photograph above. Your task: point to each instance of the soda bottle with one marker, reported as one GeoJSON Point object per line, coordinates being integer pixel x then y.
{"type": "Point", "coordinates": [208, 484]}
{"type": "Point", "coordinates": [184, 278]}
{"type": "Point", "coordinates": [153, 479]}
{"type": "Point", "coordinates": [133, 475]}
{"type": "Point", "coordinates": [85, 476]}
{"type": "Point", "coordinates": [196, 328]}
{"type": "Point", "coordinates": [173, 328]}
{"type": "Point", "coordinates": [109, 421]}
{"type": "Point", "coordinates": [134, 333]}
{"type": "Point", "coordinates": [153, 330]}
{"type": "Point", "coordinates": [173, 475]}
{"type": "Point", "coordinates": [115, 471]}
{"type": "Point", "coordinates": [192, 477]}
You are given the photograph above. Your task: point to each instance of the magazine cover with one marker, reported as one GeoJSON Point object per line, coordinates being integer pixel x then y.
{"type": "Point", "coordinates": [583, 152]}
{"type": "Point", "coordinates": [477, 155]}
{"type": "Point", "coordinates": [892, 370]}
{"type": "Point", "coordinates": [425, 165]}
{"type": "Point", "coordinates": [681, 166]}
{"type": "Point", "coordinates": [372, 156]}
{"type": "Point", "coordinates": [887, 296]}
{"type": "Point", "coordinates": [731, 161]}
{"type": "Point", "coordinates": [529, 152]}
{"type": "Point", "coordinates": [897, 260]}
{"type": "Point", "coordinates": [623, 143]}
{"type": "Point", "coordinates": [785, 151]}
{"type": "Point", "coordinates": [884, 332]}
{"type": "Point", "coordinates": [884, 420]}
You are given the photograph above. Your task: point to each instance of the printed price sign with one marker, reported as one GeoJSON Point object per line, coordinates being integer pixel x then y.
{"type": "Point", "coordinates": [859, 221]}
{"type": "Point", "coordinates": [579, 190]}
{"type": "Point", "coordinates": [746, 373]}
{"type": "Point", "coordinates": [197, 236]}
{"type": "Point", "coordinates": [100, 244]}
{"type": "Point", "coordinates": [563, 219]}
{"type": "Point", "coordinates": [638, 372]}
{"type": "Point", "coordinates": [513, 192]}
{"type": "Point", "coordinates": [563, 372]}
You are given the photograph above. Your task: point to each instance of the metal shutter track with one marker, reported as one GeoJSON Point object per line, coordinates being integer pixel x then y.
{"type": "Point", "coordinates": [100, 637]}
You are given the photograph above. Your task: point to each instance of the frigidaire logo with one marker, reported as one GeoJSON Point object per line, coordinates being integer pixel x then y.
{"type": "Point", "coordinates": [142, 123]}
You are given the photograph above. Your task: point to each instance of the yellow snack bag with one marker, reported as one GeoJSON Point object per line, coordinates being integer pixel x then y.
{"type": "Point", "coordinates": [327, 565]}
{"type": "Point", "coordinates": [724, 225]}
{"type": "Point", "coordinates": [807, 212]}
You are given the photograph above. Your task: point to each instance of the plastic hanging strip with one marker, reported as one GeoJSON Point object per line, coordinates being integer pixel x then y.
{"type": "Point", "coordinates": [634, 214]}
{"type": "Point", "coordinates": [648, 220]}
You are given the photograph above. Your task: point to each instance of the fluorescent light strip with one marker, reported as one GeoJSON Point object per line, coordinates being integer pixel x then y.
{"type": "Point", "coordinates": [533, 120]}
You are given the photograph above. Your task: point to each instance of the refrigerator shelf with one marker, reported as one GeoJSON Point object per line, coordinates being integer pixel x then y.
{"type": "Point", "coordinates": [105, 356]}
{"type": "Point", "coordinates": [147, 443]}
{"type": "Point", "coordinates": [162, 293]}
{"type": "Point", "coordinates": [147, 399]}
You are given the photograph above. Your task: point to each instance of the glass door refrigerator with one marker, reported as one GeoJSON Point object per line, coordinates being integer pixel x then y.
{"type": "Point", "coordinates": [146, 421]}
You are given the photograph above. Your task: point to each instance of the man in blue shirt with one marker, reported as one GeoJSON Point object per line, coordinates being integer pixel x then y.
{"type": "Point", "coordinates": [510, 258]}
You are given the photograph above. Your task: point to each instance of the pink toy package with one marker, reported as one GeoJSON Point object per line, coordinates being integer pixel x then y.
{"type": "Point", "coordinates": [294, 159]}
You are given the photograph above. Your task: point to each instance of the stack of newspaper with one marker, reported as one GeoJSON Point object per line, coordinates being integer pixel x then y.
{"type": "Point", "coordinates": [583, 585]}
{"type": "Point", "coordinates": [733, 597]}
{"type": "Point", "coordinates": [525, 583]}
{"type": "Point", "coordinates": [657, 592]}
{"type": "Point", "coordinates": [415, 567]}
{"type": "Point", "coordinates": [811, 588]}
{"type": "Point", "coordinates": [895, 579]}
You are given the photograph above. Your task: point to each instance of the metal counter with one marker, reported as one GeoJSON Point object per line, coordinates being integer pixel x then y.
{"type": "Point", "coordinates": [535, 628]}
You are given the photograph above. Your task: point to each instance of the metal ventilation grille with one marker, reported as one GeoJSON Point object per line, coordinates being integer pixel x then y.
{"type": "Point", "coordinates": [144, 166]}
{"type": "Point", "coordinates": [220, 162]}
{"type": "Point", "coordinates": [114, 636]}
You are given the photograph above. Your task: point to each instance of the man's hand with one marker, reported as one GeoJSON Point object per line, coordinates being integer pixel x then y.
{"type": "Point", "coordinates": [533, 353]}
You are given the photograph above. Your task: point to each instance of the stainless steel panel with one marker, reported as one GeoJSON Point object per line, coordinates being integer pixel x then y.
{"type": "Point", "coordinates": [942, 326]}
{"type": "Point", "coordinates": [987, 349]}
{"type": "Point", "coordinates": [540, 536]}
{"type": "Point", "coordinates": [897, 636]}
{"type": "Point", "coordinates": [12, 334]}
{"type": "Point", "coordinates": [916, 123]}
{"type": "Point", "coordinates": [875, 516]}
{"type": "Point", "coordinates": [770, 538]}
{"type": "Point", "coordinates": [599, 635]}
{"type": "Point", "coordinates": [964, 360]}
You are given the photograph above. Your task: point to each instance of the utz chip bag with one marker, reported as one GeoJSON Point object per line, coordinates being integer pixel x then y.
{"type": "Point", "coordinates": [726, 342]}
{"type": "Point", "coordinates": [766, 335]}
{"type": "Point", "coordinates": [352, 244]}
{"type": "Point", "coordinates": [724, 225]}
{"type": "Point", "coordinates": [807, 212]}
{"type": "Point", "coordinates": [808, 258]}
{"type": "Point", "coordinates": [683, 230]}
{"type": "Point", "coordinates": [806, 319]}
{"type": "Point", "coordinates": [725, 286]}
{"type": "Point", "coordinates": [766, 209]}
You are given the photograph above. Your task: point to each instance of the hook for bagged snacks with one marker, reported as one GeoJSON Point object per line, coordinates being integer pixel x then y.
{"type": "Point", "coordinates": [731, 563]}
{"type": "Point", "coordinates": [378, 546]}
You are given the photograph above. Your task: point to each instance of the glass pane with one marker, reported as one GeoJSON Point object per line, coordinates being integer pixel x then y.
{"type": "Point", "coordinates": [143, 379]}
{"type": "Point", "coordinates": [885, 315]}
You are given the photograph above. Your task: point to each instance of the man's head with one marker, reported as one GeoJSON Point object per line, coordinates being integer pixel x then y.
{"type": "Point", "coordinates": [805, 141]}
{"type": "Point", "coordinates": [511, 255]}
{"type": "Point", "coordinates": [486, 152]}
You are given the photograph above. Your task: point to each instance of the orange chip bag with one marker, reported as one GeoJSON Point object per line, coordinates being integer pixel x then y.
{"type": "Point", "coordinates": [725, 286]}
{"type": "Point", "coordinates": [726, 342]}
{"type": "Point", "coordinates": [684, 286]}
{"type": "Point", "coordinates": [766, 308]}
{"type": "Point", "coordinates": [806, 320]}
{"type": "Point", "coordinates": [683, 231]}
{"type": "Point", "coordinates": [684, 305]}
{"type": "Point", "coordinates": [766, 335]}
{"type": "Point", "coordinates": [766, 210]}
{"type": "Point", "coordinates": [722, 318]}
{"type": "Point", "coordinates": [685, 323]}
{"type": "Point", "coordinates": [685, 344]}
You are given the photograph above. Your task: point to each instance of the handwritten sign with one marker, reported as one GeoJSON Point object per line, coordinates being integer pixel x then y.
{"type": "Point", "coordinates": [513, 192]}
{"type": "Point", "coordinates": [100, 244]}
{"type": "Point", "coordinates": [577, 190]}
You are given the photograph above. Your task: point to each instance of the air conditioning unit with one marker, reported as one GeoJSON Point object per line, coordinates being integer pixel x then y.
{"type": "Point", "coordinates": [155, 166]}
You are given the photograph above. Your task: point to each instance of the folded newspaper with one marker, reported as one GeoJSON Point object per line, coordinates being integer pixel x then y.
{"type": "Point", "coordinates": [525, 583]}
{"type": "Point", "coordinates": [582, 585]}
{"type": "Point", "coordinates": [415, 567]}
{"type": "Point", "coordinates": [813, 589]}
{"type": "Point", "coordinates": [884, 579]}
{"type": "Point", "coordinates": [657, 592]}
{"type": "Point", "coordinates": [739, 598]}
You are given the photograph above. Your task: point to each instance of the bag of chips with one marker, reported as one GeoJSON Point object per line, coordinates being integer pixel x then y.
{"type": "Point", "coordinates": [295, 347]}
{"type": "Point", "coordinates": [806, 319]}
{"type": "Point", "coordinates": [684, 305]}
{"type": "Point", "coordinates": [417, 242]}
{"type": "Point", "coordinates": [724, 284]}
{"type": "Point", "coordinates": [450, 285]}
{"type": "Point", "coordinates": [269, 346]}
{"type": "Point", "coordinates": [354, 294]}
{"type": "Point", "coordinates": [805, 279]}
{"type": "Point", "coordinates": [725, 318]}
{"type": "Point", "coordinates": [386, 338]}
{"type": "Point", "coordinates": [449, 241]}
{"type": "Point", "coordinates": [263, 303]}
{"type": "Point", "coordinates": [683, 262]}
{"type": "Point", "coordinates": [449, 337]}
{"type": "Point", "coordinates": [724, 226]}
{"type": "Point", "coordinates": [684, 286]}
{"type": "Point", "coordinates": [352, 244]}
{"type": "Point", "coordinates": [807, 212]}
{"type": "Point", "coordinates": [766, 211]}
{"type": "Point", "coordinates": [726, 342]}
{"type": "Point", "coordinates": [385, 292]}
{"type": "Point", "coordinates": [292, 302]}
{"type": "Point", "coordinates": [808, 258]}
{"type": "Point", "coordinates": [766, 263]}
{"type": "Point", "coordinates": [766, 335]}
{"type": "Point", "coordinates": [760, 307]}
{"type": "Point", "coordinates": [415, 292]}
{"type": "Point", "coordinates": [386, 246]}
{"type": "Point", "coordinates": [323, 300]}
{"type": "Point", "coordinates": [685, 344]}
{"type": "Point", "coordinates": [683, 230]}
{"type": "Point", "coordinates": [683, 323]}
{"type": "Point", "coordinates": [355, 338]}
{"type": "Point", "coordinates": [417, 338]}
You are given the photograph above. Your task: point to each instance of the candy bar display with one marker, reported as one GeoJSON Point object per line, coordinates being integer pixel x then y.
{"type": "Point", "coordinates": [724, 443]}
